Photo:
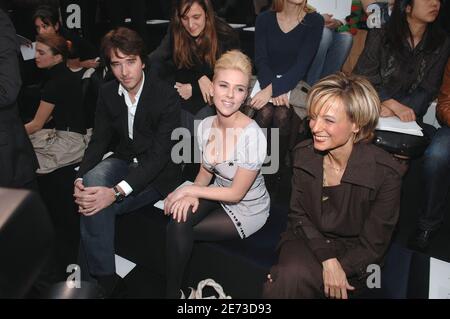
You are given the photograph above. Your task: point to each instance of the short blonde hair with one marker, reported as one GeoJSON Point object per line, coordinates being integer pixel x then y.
{"type": "Point", "coordinates": [358, 96]}
{"type": "Point", "coordinates": [235, 60]}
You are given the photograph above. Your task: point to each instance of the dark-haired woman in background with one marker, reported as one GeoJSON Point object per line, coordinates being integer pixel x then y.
{"type": "Point", "coordinates": [61, 103]}
{"type": "Point", "coordinates": [195, 40]}
{"type": "Point", "coordinates": [82, 54]}
{"type": "Point", "coordinates": [405, 60]}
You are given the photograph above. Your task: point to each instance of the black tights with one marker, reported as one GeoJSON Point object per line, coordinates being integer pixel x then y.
{"type": "Point", "coordinates": [279, 117]}
{"type": "Point", "coordinates": [209, 223]}
{"type": "Point", "coordinates": [275, 116]}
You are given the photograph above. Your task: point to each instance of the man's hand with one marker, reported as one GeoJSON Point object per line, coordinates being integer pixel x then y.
{"type": "Point", "coordinates": [205, 85]}
{"type": "Point", "coordinates": [403, 112]}
{"type": "Point", "coordinates": [335, 280]}
{"type": "Point", "coordinates": [261, 98]}
{"type": "Point", "coordinates": [78, 188]}
{"type": "Point", "coordinates": [93, 199]}
{"type": "Point", "coordinates": [184, 90]}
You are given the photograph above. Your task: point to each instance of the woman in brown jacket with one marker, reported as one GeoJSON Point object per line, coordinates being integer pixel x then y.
{"type": "Point", "coordinates": [436, 172]}
{"type": "Point", "coordinates": [345, 197]}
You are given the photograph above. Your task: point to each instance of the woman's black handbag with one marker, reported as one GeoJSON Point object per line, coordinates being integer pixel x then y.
{"type": "Point", "coordinates": [401, 144]}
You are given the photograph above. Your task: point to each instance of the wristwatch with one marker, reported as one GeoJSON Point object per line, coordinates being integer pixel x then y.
{"type": "Point", "coordinates": [118, 195]}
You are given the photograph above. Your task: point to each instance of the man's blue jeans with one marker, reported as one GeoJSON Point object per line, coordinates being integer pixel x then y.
{"type": "Point", "coordinates": [98, 231]}
{"type": "Point", "coordinates": [437, 180]}
{"type": "Point", "coordinates": [333, 50]}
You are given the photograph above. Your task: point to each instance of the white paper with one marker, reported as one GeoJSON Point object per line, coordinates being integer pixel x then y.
{"type": "Point", "coordinates": [340, 9]}
{"type": "Point", "coordinates": [394, 124]}
{"type": "Point", "coordinates": [27, 52]}
{"type": "Point", "coordinates": [157, 21]}
{"type": "Point", "coordinates": [251, 29]}
{"type": "Point", "coordinates": [160, 204]}
{"type": "Point", "coordinates": [123, 266]}
{"type": "Point", "coordinates": [257, 88]}
{"type": "Point", "coordinates": [439, 279]}
{"type": "Point", "coordinates": [236, 25]}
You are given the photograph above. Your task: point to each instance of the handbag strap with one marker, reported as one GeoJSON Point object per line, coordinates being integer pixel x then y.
{"type": "Point", "coordinates": [211, 283]}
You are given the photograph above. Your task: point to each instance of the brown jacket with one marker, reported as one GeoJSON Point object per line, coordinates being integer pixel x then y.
{"type": "Point", "coordinates": [443, 108]}
{"type": "Point", "coordinates": [360, 231]}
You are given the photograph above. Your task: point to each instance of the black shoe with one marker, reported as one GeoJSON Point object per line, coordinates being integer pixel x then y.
{"type": "Point", "coordinates": [421, 239]}
{"type": "Point", "coordinates": [112, 287]}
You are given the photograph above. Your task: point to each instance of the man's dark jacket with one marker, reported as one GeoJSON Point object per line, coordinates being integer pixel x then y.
{"type": "Point", "coordinates": [157, 115]}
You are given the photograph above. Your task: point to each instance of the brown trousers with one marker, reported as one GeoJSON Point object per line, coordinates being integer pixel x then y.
{"type": "Point", "coordinates": [298, 275]}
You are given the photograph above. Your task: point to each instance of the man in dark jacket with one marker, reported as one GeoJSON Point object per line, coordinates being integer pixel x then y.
{"type": "Point", "coordinates": [138, 112]}
{"type": "Point", "coordinates": [18, 161]}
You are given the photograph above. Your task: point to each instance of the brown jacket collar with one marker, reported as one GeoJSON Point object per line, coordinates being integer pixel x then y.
{"type": "Point", "coordinates": [361, 168]}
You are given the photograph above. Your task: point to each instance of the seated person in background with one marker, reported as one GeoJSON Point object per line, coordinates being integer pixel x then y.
{"type": "Point", "coordinates": [286, 41]}
{"type": "Point", "coordinates": [138, 112]}
{"type": "Point", "coordinates": [195, 40]}
{"type": "Point", "coordinates": [236, 11]}
{"type": "Point", "coordinates": [82, 53]}
{"type": "Point", "coordinates": [60, 102]}
{"type": "Point", "coordinates": [333, 49]}
{"type": "Point", "coordinates": [405, 60]}
{"type": "Point", "coordinates": [233, 150]}
{"type": "Point", "coordinates": [345, 197]}
{"type": "Point", "coordinates": [436, 172]}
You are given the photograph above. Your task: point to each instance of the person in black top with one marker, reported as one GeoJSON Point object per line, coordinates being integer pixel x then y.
{"type": "Point", "coordinates": [195, 40]}
{"type": "Point", "coordinates": [61, 103]}
{"type": "Point", "coordinates": [82, 54]}
{"type": "Point", "coordinates": [18, 161]}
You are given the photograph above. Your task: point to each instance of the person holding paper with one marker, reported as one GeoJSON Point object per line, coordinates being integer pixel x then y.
{"type": "Point", "coordinates": [286, 41]}
{"type": "Point", "coordinates": [137, 112]}
{"type": "Point", "coordinates": [436, 173]}
{"type": "Point", "coordinates": [233, 149]}
{"type": "Point", "coordinates": [405, 59]}
{"type": "Point", "coordinates": [334, 46]}
{"type": "Point", "coordinates": [345, 197]}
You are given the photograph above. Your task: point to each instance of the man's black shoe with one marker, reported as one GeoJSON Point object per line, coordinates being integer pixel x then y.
{"type": "Point", "coordinates": [421, 239]}
{"type": "Point", "coordinates": [112, 287]}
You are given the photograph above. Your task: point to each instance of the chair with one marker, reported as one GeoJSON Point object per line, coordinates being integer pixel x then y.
{"type": "Point", "coordinates": [26, 240]}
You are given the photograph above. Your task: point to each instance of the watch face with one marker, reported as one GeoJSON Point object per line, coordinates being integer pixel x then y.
{"type": "Point", "coordinates": [119, 196]}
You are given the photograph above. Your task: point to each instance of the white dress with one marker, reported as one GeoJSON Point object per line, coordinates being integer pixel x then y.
{"type": "Point", "coordinates": [251, 213]}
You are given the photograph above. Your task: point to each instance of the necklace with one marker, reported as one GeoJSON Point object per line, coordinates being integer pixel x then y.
{"type": "Point", "coordinates": [335, 169]}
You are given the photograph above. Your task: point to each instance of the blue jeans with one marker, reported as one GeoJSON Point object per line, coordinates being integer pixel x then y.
{"type": "Point", "coordinates": [98, 231]}
{"type": "Point", "coordinates": [437, 180]}
{"type": "Point", "coordinates": [333, 50]}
